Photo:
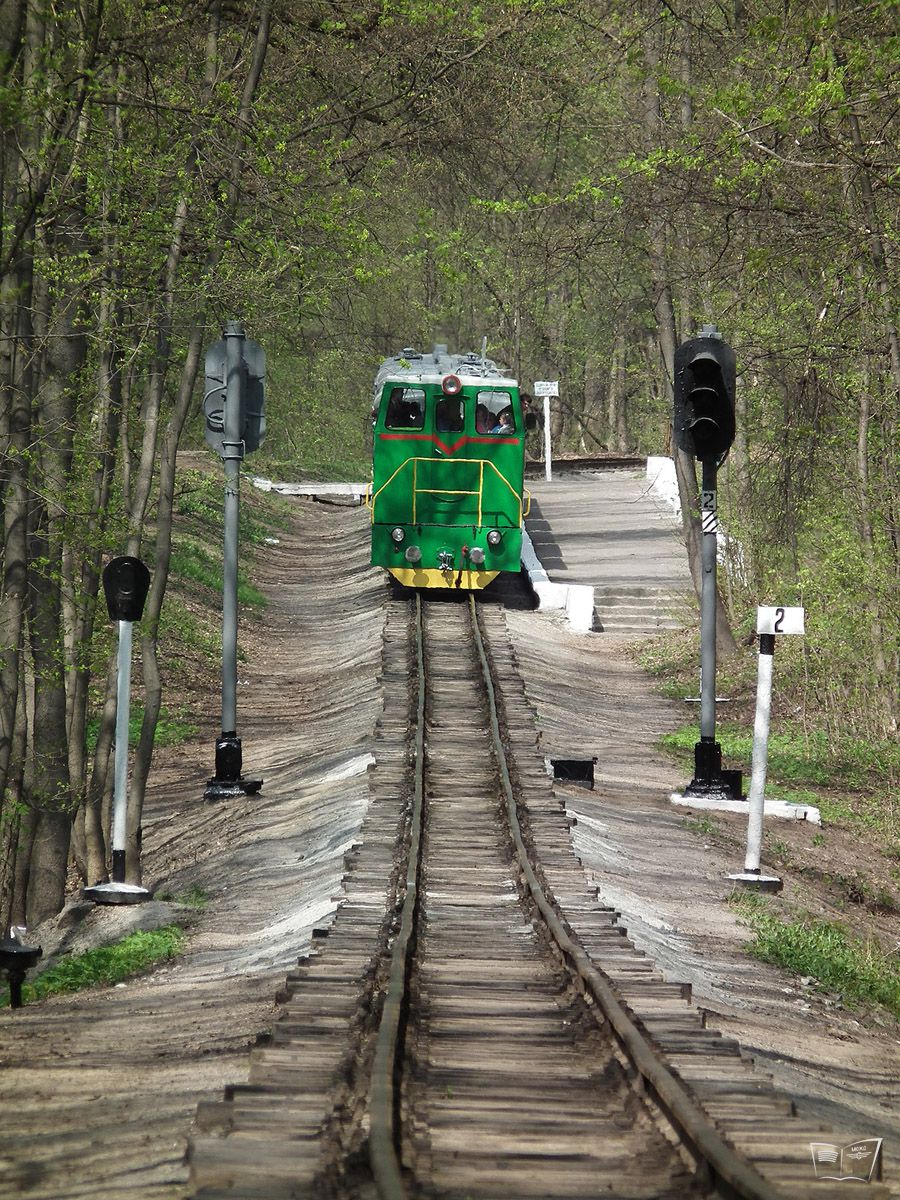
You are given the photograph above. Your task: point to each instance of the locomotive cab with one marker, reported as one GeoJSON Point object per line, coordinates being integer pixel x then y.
{"type": "Point", "coordinates": [446, 499]}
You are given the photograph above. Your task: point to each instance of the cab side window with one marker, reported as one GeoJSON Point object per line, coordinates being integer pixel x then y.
{"type": "Point", "coordinates": [494, 413]}
{"type": "Point", "coordinates": [406, 409]}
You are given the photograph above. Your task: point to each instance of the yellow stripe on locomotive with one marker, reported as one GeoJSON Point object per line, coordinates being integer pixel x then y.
{"type": "Point", "coordinates": [446, 499]}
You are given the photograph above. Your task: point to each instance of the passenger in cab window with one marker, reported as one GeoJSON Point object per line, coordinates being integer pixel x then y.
{"type": "Point", "coordinates": [483, 419]}
{"type": "Point", "coordinates": [504, 422]}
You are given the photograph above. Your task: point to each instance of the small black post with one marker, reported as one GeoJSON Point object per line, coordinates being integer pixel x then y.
{"type": "Point", "coordinates": [126, 581]}
{"type": "Point", "coordinates": [16, 960]}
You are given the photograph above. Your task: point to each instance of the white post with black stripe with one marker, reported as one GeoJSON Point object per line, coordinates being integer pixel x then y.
{"type": "Point", "coordinates": [770, 621]}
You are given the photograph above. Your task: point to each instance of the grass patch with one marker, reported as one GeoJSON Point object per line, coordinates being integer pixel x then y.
{"type": "Point", "coordinates": [201, 497]}
{"type": "Point", "coordinates": [172, 729]}
{"type": "Point", "coordinates": [824, 951]}
{"type": "Point", "coordinates": [186, 636]}
{"type": "Point", "coordinates": [192, 897]}
{"type": "Point", "coordinates": [703, 824]}
{"type": "Point", "coordinates": [803, 757]}
{"type": "Point", "coordinates": [192, 562]}
{"type": "Point", "coordinates": [107, 965]}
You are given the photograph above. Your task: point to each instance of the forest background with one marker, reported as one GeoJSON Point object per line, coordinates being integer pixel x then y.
{"type": "Point", "coordinates": [584, 183]}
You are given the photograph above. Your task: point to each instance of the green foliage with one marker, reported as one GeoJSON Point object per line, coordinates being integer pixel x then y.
{"type": "Point", "coordinates": [858, 969]}
{"type": "Point", "coordinates": [799, 756]}
{"type": "Point", "coordinates": [192, 897]}
{"type": "Point", "coordinates": [192, 562]}
{"type": "Point", "coordinates": [106, 965]}
{"type": "Point", "coordinates": [172, 728]}
{"type": "Point", "coordinates": [318, 414]}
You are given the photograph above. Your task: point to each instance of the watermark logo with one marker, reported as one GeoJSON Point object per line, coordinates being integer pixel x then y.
{"type": "Point", "coordinates": [857, 1160]}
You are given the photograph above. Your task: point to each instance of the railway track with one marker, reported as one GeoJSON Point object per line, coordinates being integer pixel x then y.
{"type": "Point", "coordinates": [475, 1024]}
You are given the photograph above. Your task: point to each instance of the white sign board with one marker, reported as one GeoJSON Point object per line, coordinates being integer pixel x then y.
{"type": "Point", "coordinates": [779, 620]}
{"type": "Point", "coordinates": [546, 387]}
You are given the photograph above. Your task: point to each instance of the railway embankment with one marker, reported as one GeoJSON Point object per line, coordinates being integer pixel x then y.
{"type": "Point", "coordinates": [100, 1089]}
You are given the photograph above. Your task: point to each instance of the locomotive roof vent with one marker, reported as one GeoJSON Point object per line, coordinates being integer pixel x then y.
{"type": "Point", "coordinates": [409, 352]}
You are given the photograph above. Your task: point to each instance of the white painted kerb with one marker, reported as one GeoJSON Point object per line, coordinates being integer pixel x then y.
{"type": "Point", "coordinates": [772, 808]}
{"type": "Point", "coordinates": [355, 490]}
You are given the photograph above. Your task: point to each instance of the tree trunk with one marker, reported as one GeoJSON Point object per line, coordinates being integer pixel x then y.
{"type": "Point", "coordinates": [50, 792]}
{"type": "Point", "coordinates": [593, 400]}
{"type": "Point", "coordinates": [149, 641]}
{"type": "Point", "coordinates": [153, 608]}
{"type": "Point", "coordinates": [664, 311]}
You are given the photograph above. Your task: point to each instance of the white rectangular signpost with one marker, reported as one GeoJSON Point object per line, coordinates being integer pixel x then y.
{"type": "Point", "coordinates": [779, 620]}
{"type": "Point", "coordinates": [547, 388]}
{"type": "Point", "coordinates": [770, 623]}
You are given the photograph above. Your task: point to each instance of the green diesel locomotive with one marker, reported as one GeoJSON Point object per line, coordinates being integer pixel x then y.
{"type": "Point", "coordinates": [446, 499]}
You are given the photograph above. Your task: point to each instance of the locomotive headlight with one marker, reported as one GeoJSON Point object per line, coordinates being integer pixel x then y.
{"type": "Point", "coordinates": [398, 535]}
{"type": "Point", "coordinates": [451, 385]}
{"type": "Point", "coordinates": [412, 554]}
{"type": "Point", "coordinates": [476, 556]}
{"type": "Point", "coordinates": [495, 537]}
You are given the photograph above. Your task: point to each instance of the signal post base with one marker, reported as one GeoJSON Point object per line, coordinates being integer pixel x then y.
{"type": "Point", "coordinates": [228, 780]}
{"type": "Point", "coordinates": [116, 893]}
{"type": "Point", "coordinates": [710, 782]}
{"type": "Point", "coordinates": [226, 789]}
{"type": "Point", "coordinates": [756, 880]}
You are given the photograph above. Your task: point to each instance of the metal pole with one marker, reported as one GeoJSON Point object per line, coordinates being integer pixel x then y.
{"type": "Point", "coordinates": [760, 751]}
{"type": "Point", "coordinates": [233, 456]}
{"type": "Point", "coordinates": [548, 474]}
{"type": "Point", "coordinates": [708, 604]}
{"type": "Point", "coordinates": [120, 787]}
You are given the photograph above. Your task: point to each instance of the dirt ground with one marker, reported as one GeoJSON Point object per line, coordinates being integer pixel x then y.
{"type": "Point", "coordinates": [665, 868]}
{"type": "Point", "coordinates": [98, 1090]}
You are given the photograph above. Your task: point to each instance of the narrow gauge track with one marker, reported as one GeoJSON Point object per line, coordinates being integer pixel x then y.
{"type": "Point", "coordinates": [454, 1037]}
{"type": "Point", "coordinates": [488, 1078]}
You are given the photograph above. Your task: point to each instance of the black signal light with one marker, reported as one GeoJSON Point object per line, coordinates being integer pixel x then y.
{"type": "Point", "coordinates": [126, 582]}
{"type": "Point", "coordinates": [705, 372]}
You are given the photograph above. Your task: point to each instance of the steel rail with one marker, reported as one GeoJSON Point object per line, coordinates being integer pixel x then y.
{"type": "Point", "coordinates": [384, 1157]}
{"type": "Point", "coordinates": [730, 1173]}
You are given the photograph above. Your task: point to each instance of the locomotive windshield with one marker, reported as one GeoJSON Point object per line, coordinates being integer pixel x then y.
{"type": "Point", "coordinates": [406, 409]}
{"type": "Point", "coordinates": [449, 414]}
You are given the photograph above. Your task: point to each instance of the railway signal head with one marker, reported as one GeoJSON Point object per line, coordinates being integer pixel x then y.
{"type": "Point", "coordinates": [251, 420]}
{"type": "Point", "coordinates": [126, 582]}
{"type": "Point", "coordinates": [705, 372]}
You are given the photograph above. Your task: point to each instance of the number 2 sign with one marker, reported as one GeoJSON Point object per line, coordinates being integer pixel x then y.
{"type": "Point", "coordinates": [779, 620]}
